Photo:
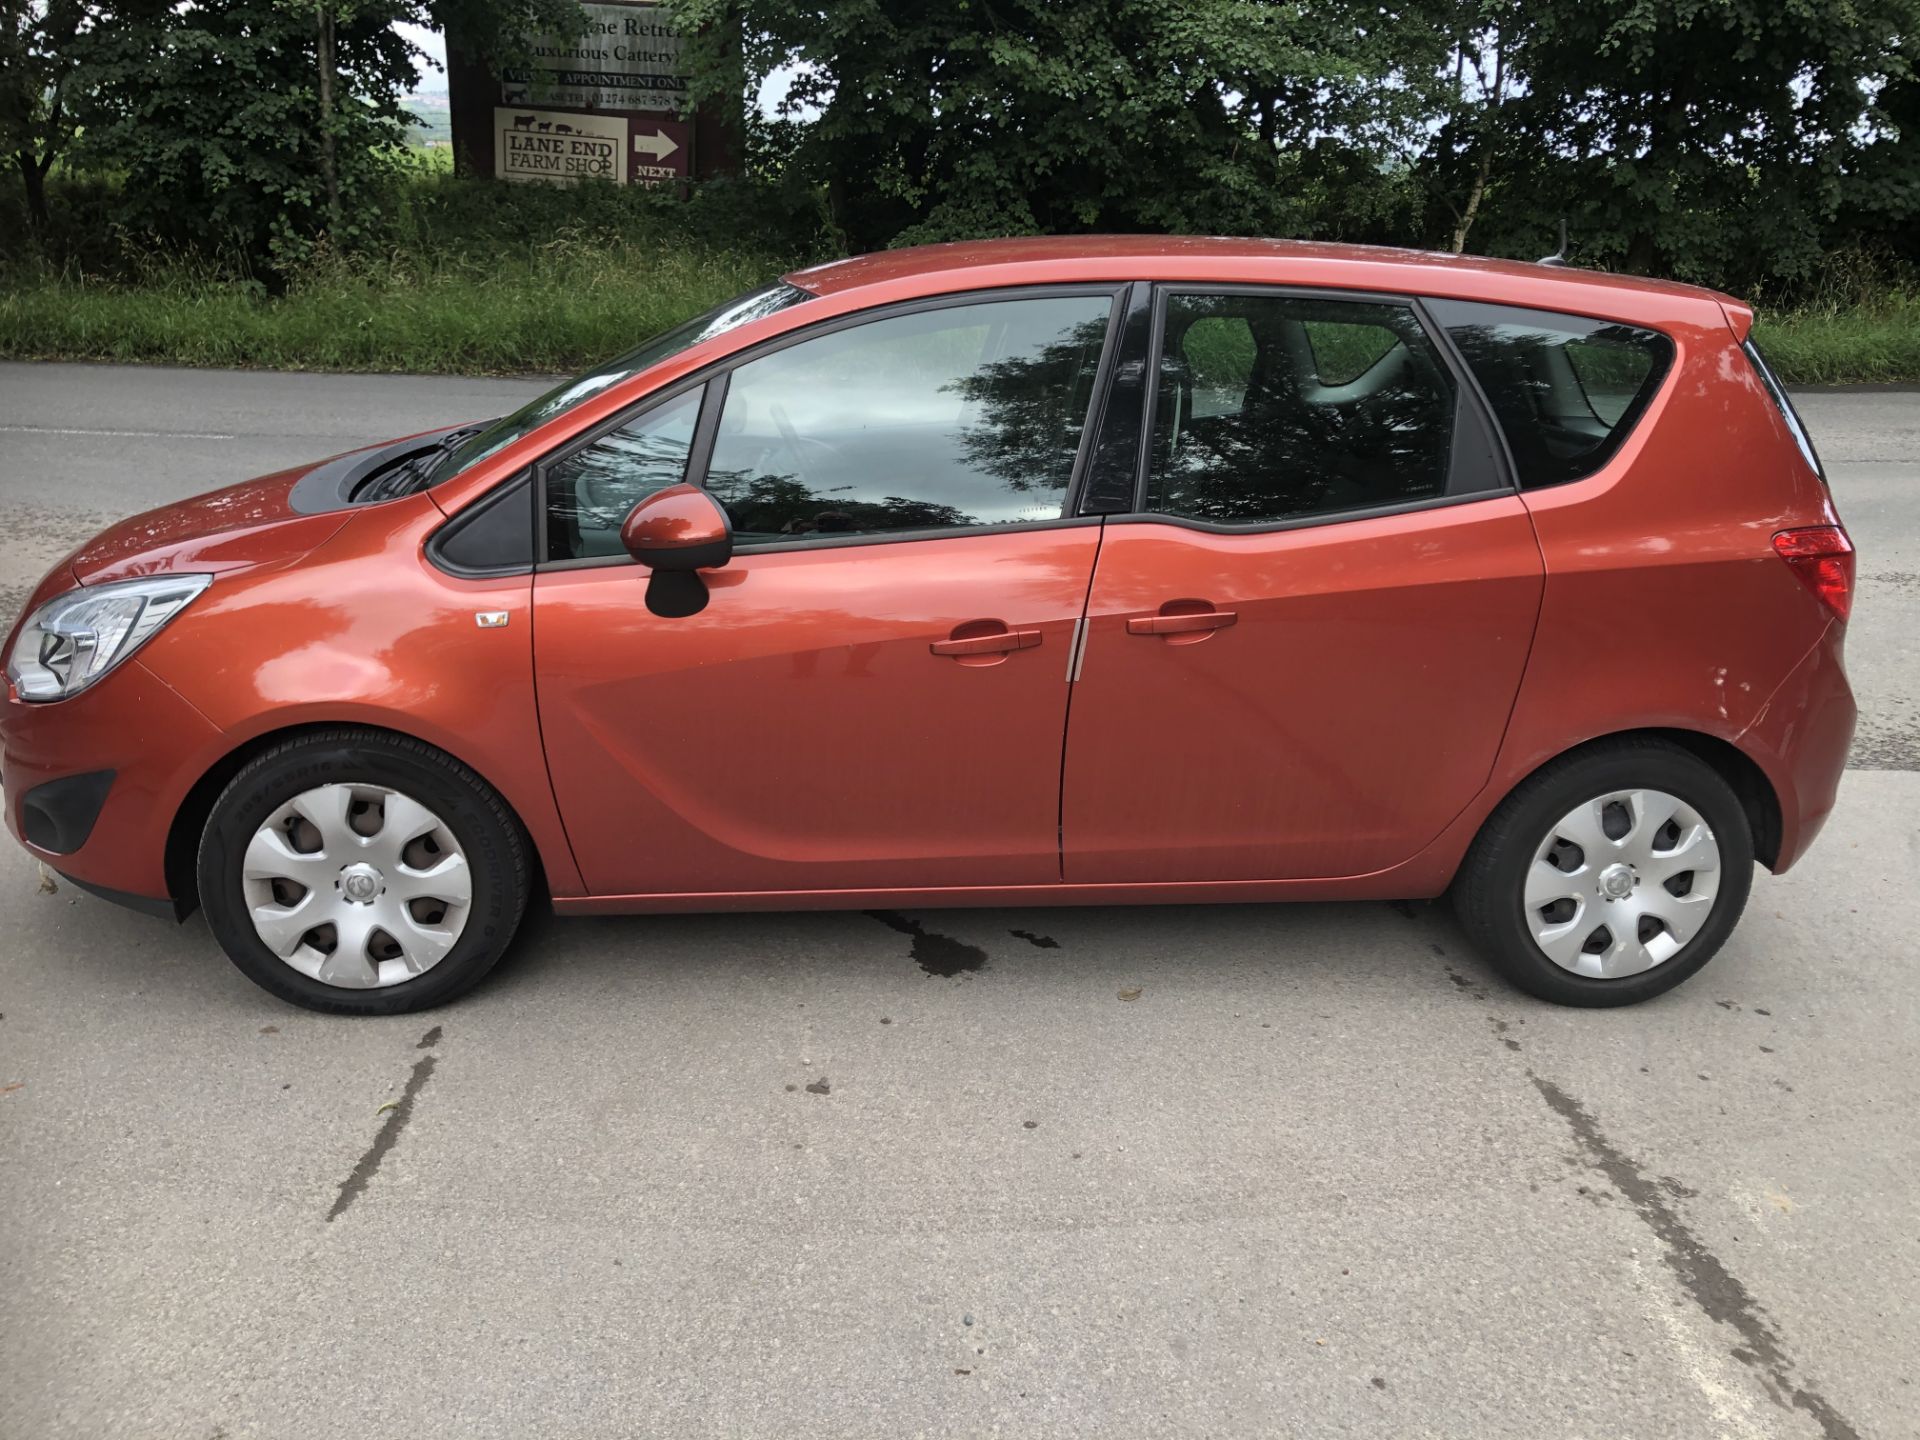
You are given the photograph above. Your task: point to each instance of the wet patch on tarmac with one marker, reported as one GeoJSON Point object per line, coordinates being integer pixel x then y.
{"type": "Point", "coordinates": [396, 1119]}
{"type": "Point", "coordinates": [938, 955]}
{"type": "Point", "coordinates": [1703, 1276]}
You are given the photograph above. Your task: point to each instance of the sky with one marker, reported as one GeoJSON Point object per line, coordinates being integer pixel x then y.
{"type": "Point", "coordinates": [436, 52]}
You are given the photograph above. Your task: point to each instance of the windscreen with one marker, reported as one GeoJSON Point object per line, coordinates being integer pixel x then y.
{"type": "Point", "coordinates": [718, 321]}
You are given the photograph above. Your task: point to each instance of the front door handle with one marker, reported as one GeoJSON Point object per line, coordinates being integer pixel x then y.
{"type": "Point", "coordinates": [985, 637]}
{"type": "Point", "coordinates": [1184, 622]}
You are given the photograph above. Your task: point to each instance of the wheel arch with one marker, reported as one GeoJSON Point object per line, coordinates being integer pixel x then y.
{"type": "Point", "coordinates": [190, 818]}
{"type": "Point", "coordinates": [1758, 798]}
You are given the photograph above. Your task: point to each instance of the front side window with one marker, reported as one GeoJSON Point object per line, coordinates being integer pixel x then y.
{"type": "Point", "coordinates": [957, 416]}
{"type": "Point", "coordinates": [1566, 389]}
{"type": "Point", "coordinates": [1272, 408]}
{"type": "Point", "coordinates": [591, 491]}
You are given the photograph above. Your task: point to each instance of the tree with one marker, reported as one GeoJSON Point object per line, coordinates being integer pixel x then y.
{"type": "Point", "coordinates": [1000, 116]}
{"type": "Point", "coordinates": [1708, 139]}
{"type": "Point", "coordinates": [253, 126]}
{"type": "Point", "coordinates": [1462, 159]}
{"type": "Point", "coordinates": [38, 58]}
{"type": "Point", "coordinates": [498, 31]}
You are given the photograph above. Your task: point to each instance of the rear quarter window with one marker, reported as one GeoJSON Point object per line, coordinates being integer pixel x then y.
{"type": "Point", "coordinates": [1778, 394]}
{"type": "Point", "coordinates": [1566, 389]}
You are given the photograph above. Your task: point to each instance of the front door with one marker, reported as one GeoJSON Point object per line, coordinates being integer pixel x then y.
{"type": "Point", "coordinates": [1302, 649]}
{"type": "Point", "coordinates": [875, 693]}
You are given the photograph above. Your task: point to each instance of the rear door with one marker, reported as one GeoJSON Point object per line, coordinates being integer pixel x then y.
{"type": "Point", "coordinates": [875, 692]}
{"type": "Point", "coordinates": [1303, 642]}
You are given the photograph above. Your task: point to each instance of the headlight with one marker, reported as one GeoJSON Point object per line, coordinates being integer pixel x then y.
{"type": "Point", "coordinates": [75, 638]}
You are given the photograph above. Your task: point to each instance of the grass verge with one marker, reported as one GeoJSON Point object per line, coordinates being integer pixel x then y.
{"type": "Point", "coordinates": [1879, 343]}
{"type": "Point", "coordinates": [532, 312]}
{"type": "Point", "coordinates": [571, 304]}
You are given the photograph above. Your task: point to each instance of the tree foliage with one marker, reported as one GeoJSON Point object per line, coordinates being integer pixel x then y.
{"type": "Point", "coordinates": [1004, 116]}
{"type": "Point", "coordinates": [1727, 140]}
{"type": "Point", "coordinates": [1738, 142]}
{"type": "Point", "coordinates": [212, 112]}
{"type": "Point", "coordinates": [251, 128]}
{"type": "Point", "coordinates": [38, 59]}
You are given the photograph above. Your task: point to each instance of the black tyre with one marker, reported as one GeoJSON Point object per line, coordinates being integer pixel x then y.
{"type": "Point", "coordinates": [1610, 875]}
{"type": "Point", "coordinates": [362, 873]}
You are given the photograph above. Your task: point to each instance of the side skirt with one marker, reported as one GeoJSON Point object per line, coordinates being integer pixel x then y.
{"type": "Point", "coordinates": [1394, 884]}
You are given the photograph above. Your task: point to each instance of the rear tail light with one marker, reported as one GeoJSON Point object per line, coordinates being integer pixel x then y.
{"type": "Point", "coordinates": [1822, 556]}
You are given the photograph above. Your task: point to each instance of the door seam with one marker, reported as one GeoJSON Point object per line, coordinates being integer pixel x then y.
{"type": "Point", "coordinates": [540, 727]}
{"type": "Point", "coordinates": [1076, 658]}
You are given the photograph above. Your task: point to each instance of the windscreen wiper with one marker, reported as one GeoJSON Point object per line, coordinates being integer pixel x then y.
{"type": "Point", "coordinates": [408, 475]}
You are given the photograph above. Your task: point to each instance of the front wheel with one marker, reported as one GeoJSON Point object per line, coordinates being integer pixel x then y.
{"type": "Point", "coordinates": [362, 873]}
{"type": "Point", "coordinates": [1609, 876]}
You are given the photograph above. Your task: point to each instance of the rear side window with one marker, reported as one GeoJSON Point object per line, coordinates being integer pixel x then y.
{"type": "Point", "coordinates": [1276, 408]}
{"type": "Point", "coordinates": [1567, 390]}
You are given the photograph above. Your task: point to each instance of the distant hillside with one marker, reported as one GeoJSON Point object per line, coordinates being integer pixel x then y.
{"type": "Point", "coordinates": [432, 116]}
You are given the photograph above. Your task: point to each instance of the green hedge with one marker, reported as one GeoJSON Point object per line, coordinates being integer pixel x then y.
{"type": "Point", "coordinates": [477, 278]}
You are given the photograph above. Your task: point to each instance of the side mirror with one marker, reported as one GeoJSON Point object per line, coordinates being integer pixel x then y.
{"type": "Point", "coordinates": [679, 528]}
{"type": "Point", "coordinates": [678, 532]}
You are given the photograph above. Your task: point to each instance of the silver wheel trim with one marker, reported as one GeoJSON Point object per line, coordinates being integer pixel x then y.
{"type": "Point", "coordinates": [358, 886]}
{"type": "Point", "coordinates": [1608, 871]}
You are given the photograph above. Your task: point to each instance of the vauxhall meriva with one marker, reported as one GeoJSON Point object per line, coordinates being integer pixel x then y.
{"type": "Point", "coordinates": [1070, 571]}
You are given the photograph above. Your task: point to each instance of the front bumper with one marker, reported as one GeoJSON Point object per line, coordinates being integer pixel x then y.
{"type": "Point", "coordinates": [155, 745]}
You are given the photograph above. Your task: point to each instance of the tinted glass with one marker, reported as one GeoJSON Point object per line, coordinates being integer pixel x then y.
{"type": "Point", "coordinates": [561, 398]}
{"type": "Point", "coordinates": [1343, 353]}
{"type": "Point", "coordinates": [1565, 389]}
{"type": "Point", "coordinates": [591, 491]}
{"type": "Point", "coordinates": [1270, 408]}
{"type": "Point", "coordinates": [965, 415]}
{"type": "Point", "coordinates": [1787, 412]}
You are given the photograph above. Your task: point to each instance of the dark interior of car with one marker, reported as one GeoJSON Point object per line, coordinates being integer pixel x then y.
{"type": "Point", "coordinates": [1248, 426]}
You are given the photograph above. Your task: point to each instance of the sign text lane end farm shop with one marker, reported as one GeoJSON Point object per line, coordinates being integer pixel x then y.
{"type": "Point", "coordinates": [604, 105]}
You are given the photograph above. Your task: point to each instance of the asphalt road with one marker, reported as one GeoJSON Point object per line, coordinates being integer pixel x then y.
{"type": "Point", "coordinates": [1248, 1170]}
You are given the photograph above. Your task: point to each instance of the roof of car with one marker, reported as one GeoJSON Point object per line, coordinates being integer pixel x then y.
{"type": "Point", "coordinates": [979, 264]}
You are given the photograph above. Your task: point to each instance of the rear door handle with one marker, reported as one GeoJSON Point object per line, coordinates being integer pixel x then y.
{"type": "Point", "coordinates": [1181, 624]}
{"type": "Point", "coordinates": [972, 639]}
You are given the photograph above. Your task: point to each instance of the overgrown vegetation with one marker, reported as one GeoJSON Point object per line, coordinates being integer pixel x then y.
{"type": "Point", "coordinates": [476, 278]}
{"type": "Point", "coordinates": [469, 277]}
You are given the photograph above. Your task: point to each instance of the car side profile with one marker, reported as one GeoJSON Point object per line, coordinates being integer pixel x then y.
{"type": "Point", "coordinates": [1106, 570]}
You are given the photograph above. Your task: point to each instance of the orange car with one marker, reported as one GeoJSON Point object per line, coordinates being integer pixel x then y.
{"type": "Point", "coordinates": [1033, 572]}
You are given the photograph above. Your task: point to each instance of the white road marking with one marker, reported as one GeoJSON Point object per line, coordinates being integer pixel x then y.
{"type": "Point", "coordinates": [1736, 1411]}
{"type": "Point", "coordinates": [139, 434]}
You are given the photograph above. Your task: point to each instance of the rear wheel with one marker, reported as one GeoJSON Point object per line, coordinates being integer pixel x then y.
{"type": "Point", "coordinates": [1610, 876]}
{"type": "Point", "coordinates": [362, 873]}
